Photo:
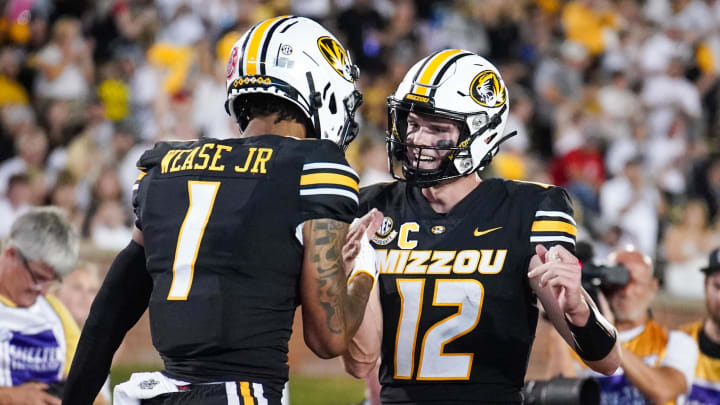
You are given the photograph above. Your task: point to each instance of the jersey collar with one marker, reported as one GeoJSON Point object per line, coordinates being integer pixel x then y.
{"type": "Point", "coordinates": [485, 198]}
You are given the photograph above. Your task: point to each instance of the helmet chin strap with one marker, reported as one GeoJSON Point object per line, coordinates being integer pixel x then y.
{"type": "Point", "coordinates": [315, 104]}
{"type": "Point", "coordinates": [488, 156]}
{"type": "Point", "coordinates": [350, 128]}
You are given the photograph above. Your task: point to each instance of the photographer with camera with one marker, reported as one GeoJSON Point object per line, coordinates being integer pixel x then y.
{"type": "Point", "coordinates": [706, 387]}
{"type": "Point", "coordinates": [657, 365]}
{"type": "Point", "coordinates": [37, 333]}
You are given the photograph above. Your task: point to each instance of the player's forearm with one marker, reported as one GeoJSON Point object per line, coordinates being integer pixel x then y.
{"type": "Point", "coordinates": [364, 348]}
{"type": "Point", "coordinates": [323, 287]}
{"type": "Point", "coordinates": [90, 368]}
{"type": "Point", "coordinates": [609, 363]}
{"type": "Point", "coordinates": [358, 292]}
{"type": "Point", "coordinates": [660, 385]}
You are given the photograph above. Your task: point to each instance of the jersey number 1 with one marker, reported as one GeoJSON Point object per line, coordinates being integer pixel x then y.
{"type": "Point", "coordinates": [435, 364]}
{"type": "Point", "coordinates": [202, 198]}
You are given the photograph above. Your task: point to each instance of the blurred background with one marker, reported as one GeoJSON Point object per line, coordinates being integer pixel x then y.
{"type": "Point", "coordinates": [615, 100]}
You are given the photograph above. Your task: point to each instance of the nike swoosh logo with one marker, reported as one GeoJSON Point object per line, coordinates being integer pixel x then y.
{"type": "Point", "coordinates": [485, 232]}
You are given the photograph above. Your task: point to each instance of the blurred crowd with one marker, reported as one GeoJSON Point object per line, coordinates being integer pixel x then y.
{"type": "Point", "coordinates": [615, 100]}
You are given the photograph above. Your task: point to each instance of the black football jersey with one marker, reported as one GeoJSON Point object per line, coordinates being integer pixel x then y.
{"type": "Point", "coordinates": [221, 221]}
{"type": "Point", "coordinates": [459, 315]}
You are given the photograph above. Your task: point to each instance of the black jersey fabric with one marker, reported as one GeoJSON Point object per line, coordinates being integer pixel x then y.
{"type": "Point", "coordinates": [459, 315]}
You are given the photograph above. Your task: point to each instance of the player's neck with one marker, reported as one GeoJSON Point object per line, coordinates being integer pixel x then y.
{"type": "Point", "coordinates": [268, 125]}
{"type": "Point", "coordinates": [443, 197]}
{"type": "Point", "coordinates": [712, 330]}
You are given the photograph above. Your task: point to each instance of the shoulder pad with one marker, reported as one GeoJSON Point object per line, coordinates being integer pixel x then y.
{"type": "Point", "coordinates": [321, 148]}
{"type": "Point", "coordinates": [529, 186]}
{"type": "Point", "coordinates": [377, 193]}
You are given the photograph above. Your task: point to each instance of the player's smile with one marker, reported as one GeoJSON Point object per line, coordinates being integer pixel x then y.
{"type": "Point", "coordinates": [428, 158]}
{"type": "Point", "coordinates": [424, 133]}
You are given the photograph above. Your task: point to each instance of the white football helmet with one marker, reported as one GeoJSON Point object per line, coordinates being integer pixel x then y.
{"type": "Point", "coordinates": [457, 85]}
{"type": "Point", "coordinates": [297, 59]}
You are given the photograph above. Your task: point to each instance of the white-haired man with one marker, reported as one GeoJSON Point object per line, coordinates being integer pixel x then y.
{"type": "Point", "coordinates": [38, 334]}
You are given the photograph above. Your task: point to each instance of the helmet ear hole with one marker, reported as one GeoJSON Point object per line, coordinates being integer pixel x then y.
{"type": "Point", "coordinates": [333, 104]}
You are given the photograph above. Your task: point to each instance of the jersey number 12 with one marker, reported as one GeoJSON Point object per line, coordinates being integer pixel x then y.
{"type": "Point", "coordinates": [435, 364]}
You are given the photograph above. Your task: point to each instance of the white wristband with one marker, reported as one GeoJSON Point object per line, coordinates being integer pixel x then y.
{"type": "Point", "coordinates": [365, 260]}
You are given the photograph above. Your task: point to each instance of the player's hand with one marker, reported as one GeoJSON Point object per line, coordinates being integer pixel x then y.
{"type": "Point", "coordinates": [559, 270]}
{"type": "Point", "coordinates": [32, 393]}
{"type": "Point", "coordinates": [368, 224]}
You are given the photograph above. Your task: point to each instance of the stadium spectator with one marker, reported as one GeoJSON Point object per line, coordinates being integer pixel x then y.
{"type": "Point", "coordinates": [39, 333]}
{"type": "Point", "coordinates": [619, 105]}
{"type": "Point", "coordinates": [15, 201]}
{"type": "Point", "coordinates": [362, 25]}
{"type": "Point", "coordinates": [77, 292]}
{"type": "Point", "coordinates": [31, 146]}
{"type": "Point", "coordinates": [590, 23]}
{"type": "Point", "coordinates": [64, 195]}
{"type": "Point", "coordinates": [11, 90]}
{"type": "Point", "coordinates": [558, 80]}
{"type": "Point", "coordinates": [632, 202]}
{"type": "Point", "coordinates": [686, 245]}
{"type": "Point", "coordinates": [657, 365]}
{"type": "Point", "coordinates": [706, 385]}
{"type": "Point", "coordinates": [65, 65]}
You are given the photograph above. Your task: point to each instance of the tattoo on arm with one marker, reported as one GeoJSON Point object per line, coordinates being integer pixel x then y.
{"type": "Point", "coordinates": [358, 293]}
{"type": "Point", "coordinates": [328, 237]}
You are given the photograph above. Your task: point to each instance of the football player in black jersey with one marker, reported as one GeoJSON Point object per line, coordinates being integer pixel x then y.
{"type": "Point", "coordinates": [462, 260]}
{"type": "Point", "coordinates": [231, 235]}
